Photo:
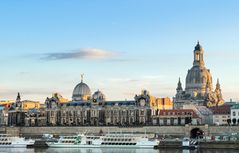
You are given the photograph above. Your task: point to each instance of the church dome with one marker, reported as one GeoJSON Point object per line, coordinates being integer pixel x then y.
{"type": "Point", "coordinates": [197, 79]}
{"type": "Point", "coordinates": [98, 96]}
{"type": "Point", "coordinates": [81, 92]}
{"type": "Point", "coordinates": [198, 76]}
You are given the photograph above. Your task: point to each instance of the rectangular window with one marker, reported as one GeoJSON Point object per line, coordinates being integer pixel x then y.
{"type": "Point", "coordinates": [233, 113]}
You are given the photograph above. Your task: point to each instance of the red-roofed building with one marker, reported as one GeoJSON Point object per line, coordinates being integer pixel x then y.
{"type": "Point", "coordinates": [176, 117]}
{"type": "Point", "coordinates": [221, 114]}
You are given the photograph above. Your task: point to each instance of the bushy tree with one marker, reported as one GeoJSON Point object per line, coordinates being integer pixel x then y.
{"type": "Point", "coordinates": [229, 121]}
{"type": "Point", "coordinates": [234, 121]}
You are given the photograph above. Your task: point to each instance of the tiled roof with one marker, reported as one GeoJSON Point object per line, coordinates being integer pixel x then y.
{"type": "Point", "coordinates": [221, 110]}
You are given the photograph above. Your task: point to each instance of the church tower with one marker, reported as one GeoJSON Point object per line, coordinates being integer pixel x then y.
{"type": "Point", "coordinates": [18, 100]}
{"type": "Point", "coordinates": [179, 89]}
{"type": "Point", "coordinates": [198, 76]}
{"type": "Point", "coordinates": [199, 86]}
{"type": "Point", "coordinates": [198, 55]}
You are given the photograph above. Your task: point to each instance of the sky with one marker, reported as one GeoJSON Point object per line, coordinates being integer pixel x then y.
{"type": "Point", "coordinates": [121, 47]}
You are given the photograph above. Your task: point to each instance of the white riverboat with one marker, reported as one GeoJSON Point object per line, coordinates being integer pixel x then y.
{"type": "Point", "coordinates": [188, 143]}
{"type": "Point", "coordinates": [114, 140]}
{"type": "Point", "coordinates": [7, 141]}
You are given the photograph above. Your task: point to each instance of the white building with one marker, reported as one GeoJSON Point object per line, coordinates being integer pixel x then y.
{"type": "Point", "coordinates": [221, 114]}
{"type": "Point", "coordinates": [235, 114]}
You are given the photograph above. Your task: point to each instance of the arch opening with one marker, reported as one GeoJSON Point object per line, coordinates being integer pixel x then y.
{"type": "Point", "coordinates": [196, 133]}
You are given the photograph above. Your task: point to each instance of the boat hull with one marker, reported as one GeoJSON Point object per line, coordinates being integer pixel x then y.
{"type": "Point", "coordinates": [15, 146]}
{"type": "Point", "coordinates": [100, 146]}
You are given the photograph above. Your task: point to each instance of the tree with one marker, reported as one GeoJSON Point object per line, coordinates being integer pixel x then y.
{"type": "Point", "coordinates": [229, 121]}
{"type": "Point", "coordinates": [234, 121]}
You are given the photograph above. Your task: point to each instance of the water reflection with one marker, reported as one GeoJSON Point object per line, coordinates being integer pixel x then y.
{"type": "Point", "coordinates": [100, 150]}
{"type": "Point", "coordinates": [111, 150]}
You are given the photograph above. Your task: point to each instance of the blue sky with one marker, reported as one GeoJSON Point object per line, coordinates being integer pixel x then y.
{"type": "Point", "coordinates": [122, 47]}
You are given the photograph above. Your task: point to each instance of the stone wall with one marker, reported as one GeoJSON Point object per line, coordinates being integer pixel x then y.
{"type": "Point", "coordinates": [161, 130]}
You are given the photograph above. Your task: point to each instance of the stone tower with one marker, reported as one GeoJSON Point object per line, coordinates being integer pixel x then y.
{"type": "Point", "coordinates": [198, 76]}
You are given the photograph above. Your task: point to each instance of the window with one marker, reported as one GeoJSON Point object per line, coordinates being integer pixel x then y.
{"type": "Point", "coordinates": [233, 113]}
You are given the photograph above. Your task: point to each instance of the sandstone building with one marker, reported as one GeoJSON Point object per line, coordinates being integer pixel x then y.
{"type": "Point", "coordinates": [199, 85]}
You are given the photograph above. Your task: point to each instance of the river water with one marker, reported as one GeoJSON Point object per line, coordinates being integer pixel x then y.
{"type": "Point", "coordinates": [115, 150]}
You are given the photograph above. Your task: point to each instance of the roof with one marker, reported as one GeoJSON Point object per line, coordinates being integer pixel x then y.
{"type": "Point", "coordinates": [33, 110]}
{"type": "Point", "coordinates": [106, 103]}
{"type": "Point", "coordinates": [235, 106]}
{"type": "Point", "coordinates": [119, 103]}
{"type": "Point", "coordinates": [221, 110]}
{"type": "Point", "coordinates": [204, 110]}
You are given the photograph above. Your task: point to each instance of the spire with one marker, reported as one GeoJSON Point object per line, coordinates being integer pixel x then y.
{"type": "Point", "coordinates": [218, 84]}
{"type": "Point", "coordinates": [198, 46]}
{"type": "Point", "coordinates": [18, 99]}
{"type": "Point", "coordinates": [82, 77]}
{"type": "Point", "coordinates": [179, 88]}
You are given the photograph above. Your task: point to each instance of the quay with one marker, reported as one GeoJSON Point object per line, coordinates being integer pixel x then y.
{"type": "Point", "coordinates": [174, 131]}
{"type": "Point", "coordinates": [201, 145]}
{"type": "Point", "coordinates": [171, 132]}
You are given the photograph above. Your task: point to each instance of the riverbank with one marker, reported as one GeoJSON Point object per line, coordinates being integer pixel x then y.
{"type": "Point", "coordinates": [201, 145]}
{"type": "Point", "coordinates": [175, 131]}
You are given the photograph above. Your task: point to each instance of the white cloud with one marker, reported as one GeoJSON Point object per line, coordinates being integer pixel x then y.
{"type": "Point", "coordinates": [83, 53]}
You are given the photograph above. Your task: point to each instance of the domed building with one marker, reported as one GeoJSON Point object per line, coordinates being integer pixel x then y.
{"type": "Point", "coordinates": [81, 92]}
{"type": "Point", "coordinates": [199, 86]}
{"type": "Point", "coordinates": [98, 99]}
{"type": "Point", "coordinates": [198, 76]}
{"type": "Point", "coordinates": [98, 96]}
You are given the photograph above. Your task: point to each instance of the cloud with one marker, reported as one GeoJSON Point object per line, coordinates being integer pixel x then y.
{"type": "Point", "coordinates": [224, 55]}
{"type": "Point", "coordinates": [84, 53]}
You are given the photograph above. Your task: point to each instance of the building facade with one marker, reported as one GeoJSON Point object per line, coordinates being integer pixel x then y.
{"type": "Point", "coordinates": [176, 117]}
{"type": "Point", "coordinates": [199, 89]}
{"type": "Point", "coordinates": [235, 114]}
{"type": "Point", "coordinates": [221, 114]}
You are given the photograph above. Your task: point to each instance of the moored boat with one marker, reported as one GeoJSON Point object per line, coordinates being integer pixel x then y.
{"type": "Point", "coordinates": [7, 141]}
{"type": "Point", "coordinates": [114, 140]}
{"type": "Point", "coordinates": [188, 143]}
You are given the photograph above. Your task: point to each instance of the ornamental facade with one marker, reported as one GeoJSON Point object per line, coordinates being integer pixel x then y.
{"type": "Point", "coordinates": [199, 85]}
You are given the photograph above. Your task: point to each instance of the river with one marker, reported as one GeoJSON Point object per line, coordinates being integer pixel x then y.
{"type": "Point", "coordinates": [75, 150]}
